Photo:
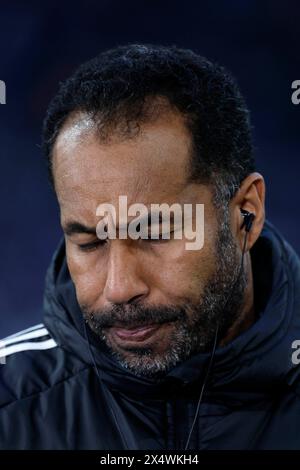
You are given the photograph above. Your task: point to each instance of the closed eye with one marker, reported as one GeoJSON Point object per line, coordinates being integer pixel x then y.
{"type": "Point", "coordinates": [91, 245]}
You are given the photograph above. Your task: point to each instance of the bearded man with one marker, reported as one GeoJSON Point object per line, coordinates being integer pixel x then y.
{"type": "Point", "coordinates": [146, 344]}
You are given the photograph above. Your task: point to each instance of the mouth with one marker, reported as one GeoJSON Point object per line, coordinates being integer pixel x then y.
{"type": "Point", "coordinates": [135, 334]}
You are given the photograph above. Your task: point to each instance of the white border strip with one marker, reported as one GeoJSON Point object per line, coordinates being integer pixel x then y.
{"type": "Point", "coordinates": [48, 344]}
{"type": "Point", "coordinates": [30, 335]}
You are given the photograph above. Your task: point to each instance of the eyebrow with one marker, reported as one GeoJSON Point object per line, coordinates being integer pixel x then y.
{"type": "Point", "coordinates": [70, 228]}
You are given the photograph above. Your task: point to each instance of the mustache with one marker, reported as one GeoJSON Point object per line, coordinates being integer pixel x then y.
{"type": "Point", "coordinates": [132, 316]}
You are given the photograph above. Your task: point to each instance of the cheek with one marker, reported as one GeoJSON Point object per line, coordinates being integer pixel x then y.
{"type": "Point", "coordinates": [88, 279]}
{"type": "Point", "coordinates": [183, 274]}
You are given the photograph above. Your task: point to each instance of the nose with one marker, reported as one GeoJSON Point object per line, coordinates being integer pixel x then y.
{"type": "Point", "coordinates": [124, 283]}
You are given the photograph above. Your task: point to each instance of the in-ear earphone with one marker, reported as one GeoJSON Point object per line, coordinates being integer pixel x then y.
{"type": "Point", "coordinates": [248, 219]}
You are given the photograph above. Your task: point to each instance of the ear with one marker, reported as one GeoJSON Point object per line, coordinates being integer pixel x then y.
{"type": "Point", "coordinates": [250, 197]}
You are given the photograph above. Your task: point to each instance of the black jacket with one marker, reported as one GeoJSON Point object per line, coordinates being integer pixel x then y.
{"type": "Point", "coordinates": [52, 398]}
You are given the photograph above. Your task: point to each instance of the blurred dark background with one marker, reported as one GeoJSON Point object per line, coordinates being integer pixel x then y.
{"type": "Point", "coordinates": [42, 43]}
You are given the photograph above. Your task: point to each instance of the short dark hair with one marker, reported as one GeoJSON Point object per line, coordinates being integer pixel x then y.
{"type": "Point", "coordinates": [116, 85]}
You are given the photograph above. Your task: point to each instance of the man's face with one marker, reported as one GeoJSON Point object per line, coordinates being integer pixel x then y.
{"type": "Point", "coordinates": [153, 302]}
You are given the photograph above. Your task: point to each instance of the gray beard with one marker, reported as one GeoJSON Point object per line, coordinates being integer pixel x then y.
{"type": "Point", "coordinates": [221, 305]}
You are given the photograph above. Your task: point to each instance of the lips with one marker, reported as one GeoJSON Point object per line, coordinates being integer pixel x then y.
{"type": "Point", "coordinates": [135, 333]}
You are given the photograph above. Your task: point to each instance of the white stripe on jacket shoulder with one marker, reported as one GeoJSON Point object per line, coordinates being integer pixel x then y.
{"type": "Point", "coordinates": [35, 338]}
